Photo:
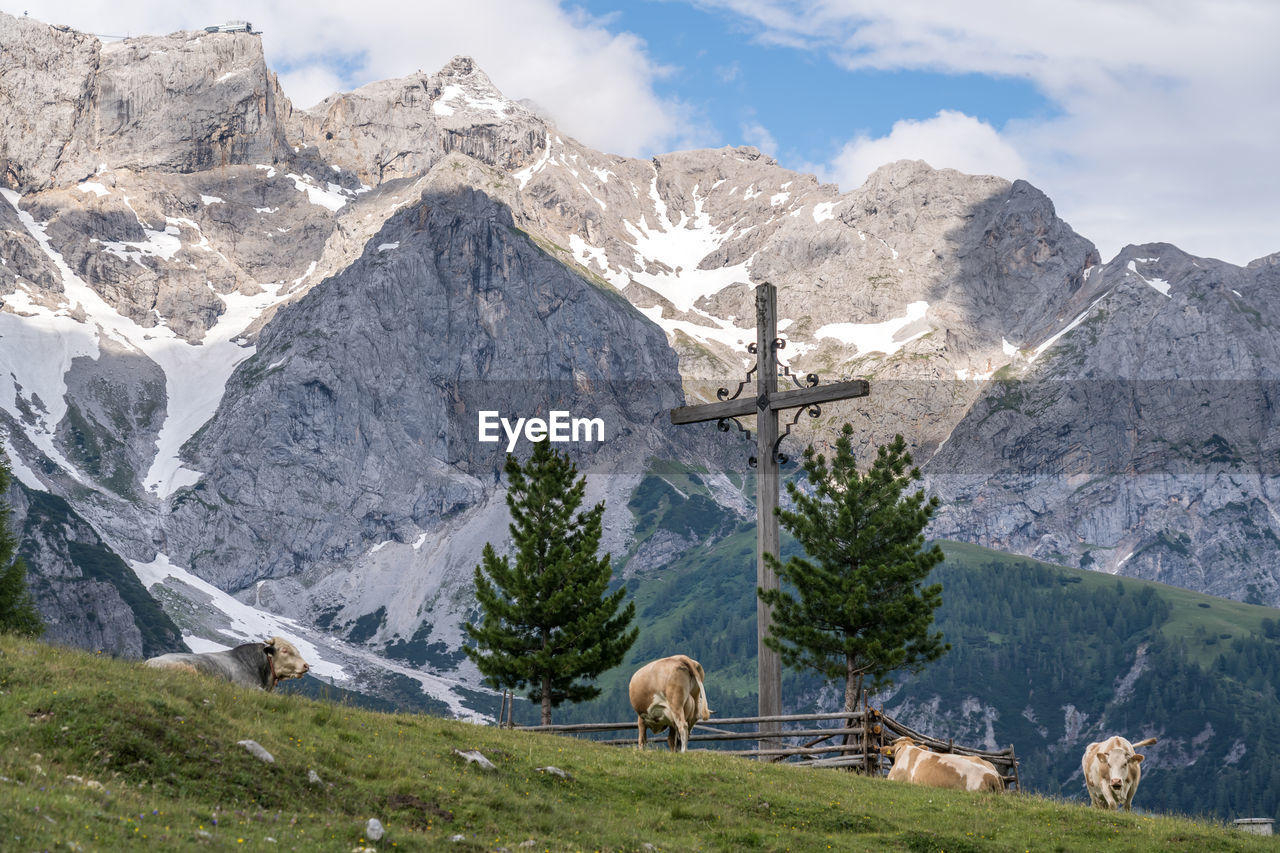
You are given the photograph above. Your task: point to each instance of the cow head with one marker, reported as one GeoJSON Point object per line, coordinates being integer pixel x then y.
{"type": "Point", "coordinates": [1118, 765]}
{"type": "Point", "coordinates": [898, 744]}
{"type": "Point", "coordinates": [285, 660]}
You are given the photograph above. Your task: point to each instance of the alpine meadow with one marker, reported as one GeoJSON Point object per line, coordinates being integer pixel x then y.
{"type": "Point", "coordinates": [393, 379]}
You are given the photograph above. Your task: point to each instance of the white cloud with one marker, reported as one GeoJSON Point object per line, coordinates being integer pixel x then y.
{"type": "Point", "coordinates": [310, 84]}
{"type": "Point", "coordinates": [1166, 115]}
{"type": "Point", "coordinates": [950, 140]}
{"type": "Point", "coordinates": [758, 135]}
{"type": "Point", "coordinates": [598, 85]}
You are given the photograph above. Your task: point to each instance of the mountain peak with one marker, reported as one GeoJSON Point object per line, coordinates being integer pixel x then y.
{"type": "Point", "coordinates": [463, 66]}
{"type": "Point", "coordinates": [400, 128]}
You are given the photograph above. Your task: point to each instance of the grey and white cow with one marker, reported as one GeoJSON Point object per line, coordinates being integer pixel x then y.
{"type": "Point", "coordinates": [260, 665]}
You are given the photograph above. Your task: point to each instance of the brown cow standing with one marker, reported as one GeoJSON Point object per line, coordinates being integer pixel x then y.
{"type": "Point", "coordinates": [668, 694]}
{"type": "Point", "coordinates": [913, 763]}
{"type": "Point", "coordinates": [1112, 771]}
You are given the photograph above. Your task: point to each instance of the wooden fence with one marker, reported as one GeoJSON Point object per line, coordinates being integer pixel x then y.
{"type": "Point", "coordinates": [851, 740]}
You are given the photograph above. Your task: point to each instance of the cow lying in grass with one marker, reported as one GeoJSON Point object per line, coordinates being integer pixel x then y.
{"type": "Point", "coordinates": [260, 665]}
{"type": "Point", "coordinates": [669, 694]}
{"type": "Point", "coordinates": [913, 763]}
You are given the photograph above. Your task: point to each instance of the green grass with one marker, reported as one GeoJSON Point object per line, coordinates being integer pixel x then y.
{"type": "Point", "coordinates": [160, 769]}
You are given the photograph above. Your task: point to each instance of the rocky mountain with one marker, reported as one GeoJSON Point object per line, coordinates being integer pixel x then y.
{"type": "Point", "coordinates": [249, 346]}
{"type": "Point", "coordinates": [1145, 438]}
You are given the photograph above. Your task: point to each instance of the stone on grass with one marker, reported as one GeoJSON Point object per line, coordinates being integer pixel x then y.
{"type": "Point", "coordinates": [256, 750]}
{"type": "Point", "coordinates": [554, 771]}
{"type": "Point", "coordinates": [474, 757]}
{"type": "Point", "coordinates": [374, 829]}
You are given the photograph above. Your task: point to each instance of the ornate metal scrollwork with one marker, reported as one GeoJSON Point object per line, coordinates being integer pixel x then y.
{"type": "Point", "coordinates": [810, 379]}
{"type": "Point", "coordinates": [813, 410]}
{"type": "Point", "coordinates": [723, 425]}
{"type": "Point", "coordinates": [722, 394]}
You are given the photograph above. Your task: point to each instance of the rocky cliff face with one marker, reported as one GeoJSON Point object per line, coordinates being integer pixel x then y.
{"type": "Point", "coordinates": [266, 336]}
{"type": "Point", "coordinates": [1144, 440]}
{"type": "Point", "coordinates": [183, 103]}
{"type": "Point", "coordinates": [87, 595]}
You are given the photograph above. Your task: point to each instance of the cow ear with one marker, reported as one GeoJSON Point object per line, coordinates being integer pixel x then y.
{"type": "Point", "coordinates": [1136, 758]}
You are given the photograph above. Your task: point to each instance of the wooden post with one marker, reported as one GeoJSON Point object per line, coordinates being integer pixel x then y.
{"type": "Point", "coordinates": [766, 405]}
{"type": "Point", "coordinates": [769, 667]}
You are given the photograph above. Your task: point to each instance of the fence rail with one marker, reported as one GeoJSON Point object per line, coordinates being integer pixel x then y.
{"type": "Point", "coordinates": [860, 736]}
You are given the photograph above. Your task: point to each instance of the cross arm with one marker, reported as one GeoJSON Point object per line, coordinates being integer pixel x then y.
{"type": "Point", "coordinates": [792, 399]}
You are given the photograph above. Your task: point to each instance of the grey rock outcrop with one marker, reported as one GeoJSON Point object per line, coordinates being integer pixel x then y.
{"type": "Point", "coordinates": [183, 103]}
{"type": "Point", "coordinates": [87, 596]}
{"type": "Point", "coordinates": [401, 128]}
{"type": "Point", "coordinates": [324, 421]}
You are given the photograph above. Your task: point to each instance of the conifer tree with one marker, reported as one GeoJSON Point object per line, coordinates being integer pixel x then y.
{"type": "Point", "coordinates": [18, 614]}
{"type": "Point", "coordinates": [859, 611]}
{"type": "Point", "coordinates": [546, 620]}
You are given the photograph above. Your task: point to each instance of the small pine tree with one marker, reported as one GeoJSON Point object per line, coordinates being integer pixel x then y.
{"type": "Point", "coordinates": [859, 612]}
{"type": "Point", "coordinates": [18, 614]}
{"type": "Point", "coordinates": [546, 621]}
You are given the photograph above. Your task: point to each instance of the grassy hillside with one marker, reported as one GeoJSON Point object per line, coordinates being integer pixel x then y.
{"type": "Point", "coordinates": [100, 754]}
{"type": "Point", "coordinates": [1047, 656]}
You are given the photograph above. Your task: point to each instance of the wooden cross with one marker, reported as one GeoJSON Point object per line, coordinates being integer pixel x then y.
{"type": "Point", "coordinates": [765, 406]}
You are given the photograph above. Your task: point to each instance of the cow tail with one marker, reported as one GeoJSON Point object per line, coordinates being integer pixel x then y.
{"type": "Point", "coordinates": [703, 711]}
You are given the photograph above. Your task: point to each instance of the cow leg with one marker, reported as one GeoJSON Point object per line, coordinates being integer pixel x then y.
{"type": "Point", "coordinates": [644, 734]}
{"type": "Point", "coordinates": [678, 733]}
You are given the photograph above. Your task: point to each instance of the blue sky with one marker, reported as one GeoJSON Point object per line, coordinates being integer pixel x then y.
{"type": "Point", "coordinates": [752, 91]}
{"type": "Point", "coordinates": [1143, 121]}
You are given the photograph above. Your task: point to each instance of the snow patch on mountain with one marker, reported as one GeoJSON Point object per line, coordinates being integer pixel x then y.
{"type": "Point", "coordinates": [1159, 284]}
{"type": "Point", "coordinates": [529, 171]}
{"type": "Point", "coordinates": [724, 331]}
{"type": "Point", "coordinates": [246, 624]}
{"type": "Point", "coordinates": [330, 196]}
{"type": "Point", "coordinates": [159, 244]}
{"type": "Point", "coordinates": [329, 658]}
{"type": "Point", "coordinates": [195, 379]}
{"type": "Point", "coordinates": [681, 247]}
{"type": "Point", "coordinates": [1076, 322]}
{"type": "Point", "coordinates": [493, 103]}
{"type": "Point", "coordinates": [878, 337]}
{"type": "Point", "coordinates": [195, 376]}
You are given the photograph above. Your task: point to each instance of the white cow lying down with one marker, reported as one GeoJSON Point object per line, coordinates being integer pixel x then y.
{"type": "Point", "coordinates": [913, 763]}
{"type": "Point", "coordinates": [259, 665]}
